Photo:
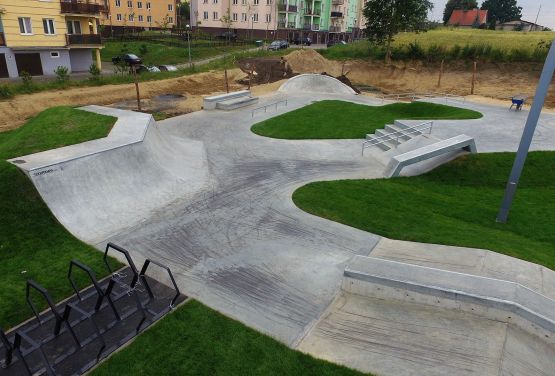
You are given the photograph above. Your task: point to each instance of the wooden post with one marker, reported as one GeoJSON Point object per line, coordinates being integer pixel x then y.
{"type": "Point", "coordinates": [473, 78]}
{"type": "Point", "coordinates": [225, 74]}
{"type": "Point", "coordinates": [134, 69]}
{"type": "Point", "coordinates": [440, 73]}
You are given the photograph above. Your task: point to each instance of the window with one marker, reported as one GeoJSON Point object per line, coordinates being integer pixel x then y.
{"type": "Point", "coordinates": [48, 25]}
{"type": "Point", "coordinates": [129, 4]}
{"type": "Point", "coordinates": [54, 54]}
{"type": "Point", "coordinates": [256, 2]}
{"type": "Point", "coordinates": [147, 5]}
{"type": "Point", "coordinates": [170, 7]}
{"type": "Point", "coordinates": [73, 27]}
{"type": "Point", "coordinates": [170, 19]}
{"type": "Point", "coordinates": [214, 1]}
{"type": "Point", "coordinates": [234, 17]}
{"type": "Point", "coordinates": [118, 17]}
{"type": "Point", "coordinates": [118, 3]}
{"type": "Point", "coordinates": [149, 19]}
{"type": "Point", "coordinates": [140, 4]}
{"type": "Point", "coordinates": [205, 1]}
{"type": "Point", "coordinates": [25, 25]}
{"type": "Point", "coordinates": [244, 2]}
{"type": "Point", "coordinates": [205, 15]}
{"type": "Point", "coordinates": [235, 2]}
{"type": "Point", "coordinates": [268, 2]}
{"type": "Point", "coordinates": [131, 17]}
{"type": "Point", "coordinates": [255, 17]}
{"type": "Point", "coordinates": [215, 16]}
{"type": "Point", "coordinates": [243, 17]}
{"type": "Point", "coordinates": [268, 18]}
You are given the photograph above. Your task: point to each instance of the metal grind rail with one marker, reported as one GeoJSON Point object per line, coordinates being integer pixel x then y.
{"type": "Point", "coordinates": [414, 96]}
{"type": "Point", "coordinates": [73, 336]}
{"type": "Point", "coordinates": [395, 136]}
{"type": "Point", "coordinates": [265, 108]}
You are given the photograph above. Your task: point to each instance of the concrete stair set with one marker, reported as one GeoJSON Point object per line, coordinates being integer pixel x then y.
{"type": "Point", "coordinates": [229, 101]}
{"type": "Point", "coordinates": [393, 135]}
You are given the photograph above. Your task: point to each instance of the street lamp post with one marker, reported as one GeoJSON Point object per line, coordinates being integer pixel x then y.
{"type": "Point", "coordinates": [189, 43]}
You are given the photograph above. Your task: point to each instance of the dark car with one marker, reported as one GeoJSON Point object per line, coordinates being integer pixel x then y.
{"type": "Point", "coordinates": [304, 40]}
{"type": "Point", "coordinates": [334, 42]}
{"type": "Point", "coordinates": [227, 35]}
{"type": "Point", "coordinates": [278, 45]}
{"type": "Point", "coordinates": [129, 59]}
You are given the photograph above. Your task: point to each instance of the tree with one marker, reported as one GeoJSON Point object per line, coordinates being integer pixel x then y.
{"type": "Point", "coordinates": [500, 11]}
{"type": "Point", "coordinates": [457, 4]}
{"type": "Point", "coordinates": [386, 18]}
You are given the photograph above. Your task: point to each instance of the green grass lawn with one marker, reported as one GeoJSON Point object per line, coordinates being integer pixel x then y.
{"type": "Point", "coordinates": [159, 53]}
{"type": "Point", "coordinates": [455, 204]}
{"type": "Point", "coordinates": [195, 340]}
{"type": "Point", "coordinates": [337, 119]}
{"type": "Point", "coordinates": [33, 244]}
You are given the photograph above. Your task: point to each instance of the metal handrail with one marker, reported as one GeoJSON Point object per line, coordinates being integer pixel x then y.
{"type": "Point", "coordinates": [415, 95]}
{"type": "Point", "coordinates": [428, 125]}
{"type": "Point", "coordinates": [268, 105]}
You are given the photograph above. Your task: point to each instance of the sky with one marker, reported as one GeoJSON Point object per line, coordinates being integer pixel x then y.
{"type": "Point", "coordinates": [529, 11]}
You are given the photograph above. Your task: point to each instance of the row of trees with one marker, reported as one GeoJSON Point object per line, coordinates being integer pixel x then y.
{"type": "Point", "coordinates": [498, 10]}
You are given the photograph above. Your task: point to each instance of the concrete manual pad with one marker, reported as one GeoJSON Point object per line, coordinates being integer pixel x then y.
{"type": "Point", "coordinates": [315, 83]}
{"type": "Point", "coordinates": [402, 339]}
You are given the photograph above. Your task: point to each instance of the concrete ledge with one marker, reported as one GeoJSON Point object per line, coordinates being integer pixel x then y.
{"type": "Point", "coordinates": [315, 83]}
{"type": "Point", "coordinates": [400, 161]}
{"type": "Point", "coordinates": [494, 295]}
{"type": "Point", "coordinates": [210, 103]}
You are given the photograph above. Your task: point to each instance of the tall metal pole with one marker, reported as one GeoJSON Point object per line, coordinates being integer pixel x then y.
{"type": "Point", "coordinates": [189, 43]}
{"type": "Point", "coordinates": [528, 134]}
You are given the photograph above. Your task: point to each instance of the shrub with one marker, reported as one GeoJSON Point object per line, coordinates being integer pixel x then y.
{"type": "Point", "coordinates": [143, 49]}
{"type": "Point", "coordinates": [436, 53]}
{"type": "Point", "coordinates": [5, 91]}
{"type": "Point", "coordinates": [94, 72]}
{"type": "Point", "coordinates": [415, 51]}
{"type": "Point", "coordinates": [26, 79]}
{"type": "Point", "coordinates": [62, 73]}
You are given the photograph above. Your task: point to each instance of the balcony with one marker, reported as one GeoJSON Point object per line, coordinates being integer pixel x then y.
{"type": "Point", "coordinates": [286, 25]}
{"type": "Point", "coordinates": [312, 12]}
{"type": "Point", "coordinates": [2, 39]}
{"type": "Point", "coordinates": [336, 14]}
{"type": "Point", "coordinates": [79, 7]}
{"type": "Point", "coordinates": [287, 8]}
{"type": "Point", "coordinates": [337, 2]}
{"type": "Point", "coordinates": [313, 27]}
{"type": "Point", "coordinates": [334, 29]}
{"type": "Point", "coordinates": [83, 39]}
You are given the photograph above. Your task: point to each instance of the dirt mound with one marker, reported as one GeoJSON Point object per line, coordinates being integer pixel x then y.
{"type": "Point", "coordinates": [264, 70]}
{"type": "Point", "coordinates": [310, 61]}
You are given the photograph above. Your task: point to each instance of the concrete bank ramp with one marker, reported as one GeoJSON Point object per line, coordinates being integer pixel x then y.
{"type": "Point", "coordinates": [315, 83]}
{"type": "Point", "coordinates": [97, 188]}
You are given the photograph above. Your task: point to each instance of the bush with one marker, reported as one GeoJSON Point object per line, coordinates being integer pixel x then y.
{"type": "Point", "coordinates": [94, 72]}
{"type": "Point", "coordinates": [415, 52]}
{"type": "Point", "coordinates": [62, 73]}
{"type": "Point", "coordinates": [143, 49]}
{"type": "Point", "coordinates": [5, 91]}
{"type": "Point", "coordinates": [27, 81]}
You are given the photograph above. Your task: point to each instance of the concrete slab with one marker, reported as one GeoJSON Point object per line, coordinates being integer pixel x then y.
{"type": "Point", "coordinates": [398, 338]}
{"type": "Point", "coordinates": [525, 354]}
{"type": "Point", "coordinates": [315, 83]}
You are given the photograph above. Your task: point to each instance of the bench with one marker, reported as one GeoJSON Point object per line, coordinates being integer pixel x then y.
{"type": "Point", "coordinates": [229, 101]}
{"type": "Point", "coordinates": [400, 161]}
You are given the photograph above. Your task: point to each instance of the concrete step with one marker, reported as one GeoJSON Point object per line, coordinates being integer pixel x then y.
{"type": "Point", "coordinates": [234, 103]}
{"type": "Point", "coordinates": [395, 129]}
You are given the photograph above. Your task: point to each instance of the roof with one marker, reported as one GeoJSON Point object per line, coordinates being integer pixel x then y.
{"type": "Point", "coordinates": [468, 17]}
{"type": "Point", "coordinates": [520, 22]}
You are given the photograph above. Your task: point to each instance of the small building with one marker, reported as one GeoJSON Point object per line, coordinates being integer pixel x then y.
{"type": "Point", "coordinates": [39, 36]}
{"type": "Point", "coordinates": [472, 18]}
{"type": "Point", "coordinates": [519, 25]}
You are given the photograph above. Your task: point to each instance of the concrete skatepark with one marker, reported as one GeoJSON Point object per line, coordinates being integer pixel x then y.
{"type": "Point", "coordinates": [212, 200]}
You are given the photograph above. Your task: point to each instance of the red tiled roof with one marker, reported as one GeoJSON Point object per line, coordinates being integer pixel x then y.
{"type": "Point", "coordinates": [468, 17]}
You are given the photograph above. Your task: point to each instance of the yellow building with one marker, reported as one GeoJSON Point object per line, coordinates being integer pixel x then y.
{"type": "Point", "coordinates": [144, 14]}
{"type": "Point", "coordinates": [37, 36]}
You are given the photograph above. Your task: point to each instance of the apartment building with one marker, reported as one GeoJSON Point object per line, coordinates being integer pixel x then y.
{"type": "Point", "coordinates": [275, 19]}
{"type": "Point", "coordinates": [37, 36]}
{"type": "Point", "coordinates": [139, 14]}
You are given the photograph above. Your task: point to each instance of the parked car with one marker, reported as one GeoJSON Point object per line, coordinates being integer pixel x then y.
{"type": "Point", "coordinates": [167, 68]}
{"type": "Point", "coordinates": [304, 40]}
{"type": "Point", "coordinates": [334, 42]}
{"type": "Point", "coordinates": [227, 35]}
{"type": "Point", "coordinates": [129, 59]}
{"type": "Point", "coordinates": [147, 68]}
{"type": "Point", "coordinates": [278, 45]}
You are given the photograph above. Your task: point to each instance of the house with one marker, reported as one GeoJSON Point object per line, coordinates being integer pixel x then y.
{"type": "Point", "coordinates": [38, 36]}
{"type": "Point", "coordinates": [519, 25]}
{"type": "Point", "coordinates": [468, 18]}
{"type": "Point", "coordinates": [138, 14]}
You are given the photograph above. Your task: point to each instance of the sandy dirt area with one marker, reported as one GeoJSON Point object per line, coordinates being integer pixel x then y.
{"type": "Point", "coordinates": [495, 83]}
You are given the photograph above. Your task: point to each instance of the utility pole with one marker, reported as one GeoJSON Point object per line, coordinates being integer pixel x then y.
{"type": "Point", "coordinates": [528, 134]}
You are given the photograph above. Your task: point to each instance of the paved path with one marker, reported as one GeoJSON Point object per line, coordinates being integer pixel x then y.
{"type": "Point", "coordinates": [241, 246]}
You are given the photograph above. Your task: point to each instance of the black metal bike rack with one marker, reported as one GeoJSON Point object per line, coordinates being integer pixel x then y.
{"type": "Point", "coordinates": [124, 304]}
